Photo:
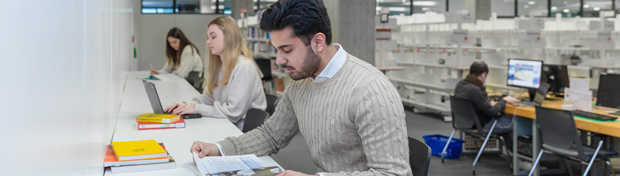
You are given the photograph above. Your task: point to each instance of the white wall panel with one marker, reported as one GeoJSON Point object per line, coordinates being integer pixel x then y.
{"type": "Point", "coordinates": [62, 66]}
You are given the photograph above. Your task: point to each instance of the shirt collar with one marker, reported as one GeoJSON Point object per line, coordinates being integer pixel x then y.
{"type": "Point", "coordinates": [333, 66]}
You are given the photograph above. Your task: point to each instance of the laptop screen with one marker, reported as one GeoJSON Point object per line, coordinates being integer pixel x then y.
{"type": "Point", "coordinates": [541, 93]}
{"type": "Point", "coordinates": [153, 97]}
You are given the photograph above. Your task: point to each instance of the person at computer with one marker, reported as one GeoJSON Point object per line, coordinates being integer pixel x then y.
{"type": "Point", "coordinates": [472, 89]}
{"type": "Point", "coordinates": [183, 62]}
{"type": "Point", "coordinates": [234, 81]}
{"type": "Point", "coordinates": [349, 113]}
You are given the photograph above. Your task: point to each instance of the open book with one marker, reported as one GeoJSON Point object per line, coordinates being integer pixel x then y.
{"type": "Point", "coordinates": [242, 165]}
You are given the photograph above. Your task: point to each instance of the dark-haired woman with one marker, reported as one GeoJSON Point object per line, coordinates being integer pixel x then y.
{"type": "Point", "coordinates": [183, 57]}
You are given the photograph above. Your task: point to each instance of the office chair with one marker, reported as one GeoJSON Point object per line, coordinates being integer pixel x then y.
{"type": "Point", "coordinates": [254, 118]}
{"type": "Point", "coordinates": [419, 157]}
{"type": "Point", "coordinates": [272, 101]}
{"type": "Point", "coordinates": [560, 137]}
{"type": "Point", "coordinates": [464, 116]}
{"type": "Point", "coordinates": [264, 65]}
{"type": "Point", "coordinates": [195, 79]}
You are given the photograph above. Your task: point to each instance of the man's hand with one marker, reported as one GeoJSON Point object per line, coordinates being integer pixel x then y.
{"type": "Point", "coordinates": [292, 173]}
{"type": "Point", "coordinates": [511, 99]}
{"type": "Point", "coordinates": [492, 103]}
{"type": "Point", "coordinates": [205, 149]}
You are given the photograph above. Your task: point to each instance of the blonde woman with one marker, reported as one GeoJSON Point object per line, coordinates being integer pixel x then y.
{"type": "Point", "coordinates": [233, 81]}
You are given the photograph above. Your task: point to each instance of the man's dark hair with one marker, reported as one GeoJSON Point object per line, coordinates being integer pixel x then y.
{"type": "Point", "coordinates": [306, 17]}
{"type": "Point", "coordinates": [477, 68]}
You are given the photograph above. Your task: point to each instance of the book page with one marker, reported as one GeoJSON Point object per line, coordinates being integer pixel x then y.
{"type": "Point", "coordinates": [218, 164]}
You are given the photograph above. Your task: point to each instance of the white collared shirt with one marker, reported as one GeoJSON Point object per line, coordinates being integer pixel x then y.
{"type": "Point", "coordinates": [333, 66]}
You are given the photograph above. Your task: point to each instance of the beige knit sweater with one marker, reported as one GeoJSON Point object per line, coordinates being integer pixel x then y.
{"type": "Point", "coordinates": [353, 123]}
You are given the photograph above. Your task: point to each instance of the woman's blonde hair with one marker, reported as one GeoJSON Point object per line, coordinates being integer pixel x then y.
{"type": "Point", "coordinates": [234, 46]}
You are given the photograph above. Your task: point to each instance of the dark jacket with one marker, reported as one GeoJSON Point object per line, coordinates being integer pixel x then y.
{"type": "Point", "coordinates": [471, 89]}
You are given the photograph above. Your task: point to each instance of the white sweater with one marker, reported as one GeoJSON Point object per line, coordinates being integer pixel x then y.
{"type": "Point", "coordinates": [190, 61]}
{"type": "Point", "coordinates": [243, 91]}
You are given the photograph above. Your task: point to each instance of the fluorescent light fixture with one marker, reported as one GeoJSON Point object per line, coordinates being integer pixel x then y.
{"type": "Point", "coordinates": [425, 9]}
{"type": "Point", "coordinates": [586, 6]}
{"type": "Point", "coordinates": [424, 3]}
{"type": "Point", "coordinates": [554, 8]}
{"type": "Point", "coordinates": [398, 9]}
{"type": "Point", "coordinates": [596, 9]}
{"type": "Point", "coordinates": [531, 2]}
{"type": "Point", "coordinates": [566, 10]}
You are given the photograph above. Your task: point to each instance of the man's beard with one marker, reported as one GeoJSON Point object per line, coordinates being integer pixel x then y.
{"type": "Point", "coordinates": [310, 66]}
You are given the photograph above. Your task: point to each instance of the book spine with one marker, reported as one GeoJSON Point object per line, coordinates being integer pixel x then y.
{"type": "Point", "coordinates": [146, 120]}
{"type": "Point", "coordinates": [160, 126]}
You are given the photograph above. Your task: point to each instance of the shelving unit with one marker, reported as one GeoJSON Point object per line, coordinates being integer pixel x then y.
{"type": "Point", "coordinates": [426, 47]}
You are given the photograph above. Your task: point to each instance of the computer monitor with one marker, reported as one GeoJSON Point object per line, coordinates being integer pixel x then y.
{"type": "Point", "coordinates": [608, 95]}
{"type": "Point", "coordinates": [524, 73]}
{"type": "Point", "coordinates": [556, 76]}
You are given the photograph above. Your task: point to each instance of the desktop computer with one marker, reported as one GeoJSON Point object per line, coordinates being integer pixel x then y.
{"type": "Point", "coordinates": [526, 74]}
{"type": "Point", "coordinates": [557, 78]}
{"type": "Point", "coordinates": [608, 95]}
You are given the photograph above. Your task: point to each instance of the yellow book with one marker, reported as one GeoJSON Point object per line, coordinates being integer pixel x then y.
{"type": "Point", "coordinates": [132, 150]}
{"type": "Point", "coordinates": [158, 118]}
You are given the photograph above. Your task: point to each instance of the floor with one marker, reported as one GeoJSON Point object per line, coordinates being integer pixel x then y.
{"type": "Point", "coordinates": [296, 155]}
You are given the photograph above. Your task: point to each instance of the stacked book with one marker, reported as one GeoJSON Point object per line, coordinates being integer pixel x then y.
{"type": "Point", "coordinates": [134, 156]}
{"type": "Point", "coordinates": [159, 121]}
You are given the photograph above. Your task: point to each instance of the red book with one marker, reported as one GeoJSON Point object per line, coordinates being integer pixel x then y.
{"type": "Point", "coordinates": [111, 160]}
{"type": "Point", "coordinates": [150, 126]}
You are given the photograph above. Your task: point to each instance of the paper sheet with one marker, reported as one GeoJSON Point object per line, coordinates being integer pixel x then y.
{"type": "Point", "coordinates": [218, 164]}
{"type": "Point", "coordinates": [581, 99]}
{"type": "Point", "coordinates": [579, 84]}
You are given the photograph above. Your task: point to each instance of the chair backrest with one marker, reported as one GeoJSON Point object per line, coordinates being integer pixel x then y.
{"type": "Point", "coordinates": [264, 65]}
{"type": "Point", "coordinates": [254, 118]}
{"type": "Point", "coordinates": [464, 114]}
{"type": "Point", "coordinates": [195, 79]}
{"type": "Point", "coordinates": [419, 157]}
{"type": "Point", "coordinates": [558, 129]}
{"type": "Point", "coordinates": [271, 103]}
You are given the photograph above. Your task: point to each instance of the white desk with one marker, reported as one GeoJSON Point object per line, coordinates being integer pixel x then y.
{"type": "Point", "coordinates": [177, 141]}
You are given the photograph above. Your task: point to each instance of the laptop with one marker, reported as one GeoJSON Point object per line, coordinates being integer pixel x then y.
{"type": "Point", "coordinates": [156, 103]}
{"type": "Point", "coordinates": [538, 98]}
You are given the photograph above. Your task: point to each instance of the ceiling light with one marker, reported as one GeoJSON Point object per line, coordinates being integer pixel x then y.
{"type": "Point", "coordinates": [531, 2]}
{"type": "Point", "coordinates": [424, 3]}
{"type": "Point", "coordinates": [425, 9]}
{"type": "Point", "coordinates": [566, 10]}
{"type": "Point", "coordinates": [526, 6]}
{"type": "Point", "coordinates": [586, 6]}
{"type": "Point", "coordinates": [596, 9]}
{"type": "Point", "coordinates": [398, 9]}
{"type": "Point", "coordinates": [554, 8]}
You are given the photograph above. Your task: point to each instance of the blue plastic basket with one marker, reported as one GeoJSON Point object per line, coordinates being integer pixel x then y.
{"type": "Point", "coordinates": [437, 142]}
